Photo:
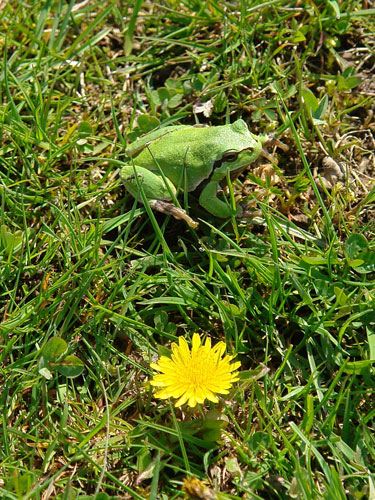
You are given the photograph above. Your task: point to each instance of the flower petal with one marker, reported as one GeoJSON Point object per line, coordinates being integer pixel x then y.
{"type": "Point", "coordinates": [192, 376]}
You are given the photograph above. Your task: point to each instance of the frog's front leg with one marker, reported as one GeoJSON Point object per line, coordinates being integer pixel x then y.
{"type": "Point", "coordinates": [156, 189]}
{"type": "Point", "coordinates": [208, 199]}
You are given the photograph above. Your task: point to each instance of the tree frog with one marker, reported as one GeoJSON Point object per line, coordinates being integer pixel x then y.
{"type": "Point", "coordinates": [188, 157]}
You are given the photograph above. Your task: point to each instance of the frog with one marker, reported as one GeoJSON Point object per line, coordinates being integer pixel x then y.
{"type": "Point", "coordinates": [189, 158]}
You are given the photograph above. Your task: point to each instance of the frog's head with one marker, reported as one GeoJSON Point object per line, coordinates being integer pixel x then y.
{"type": "Point", "coordinates": [239, 148]}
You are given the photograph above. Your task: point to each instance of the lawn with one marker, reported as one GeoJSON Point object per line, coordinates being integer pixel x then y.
{"type": "Point", "coordinates": [95, 287]}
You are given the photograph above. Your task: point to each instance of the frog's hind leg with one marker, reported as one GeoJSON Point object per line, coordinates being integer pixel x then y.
{"type": "Point", "coordinates": [156, 189]}
{"type": "Point", "coordinates": [151, 183]}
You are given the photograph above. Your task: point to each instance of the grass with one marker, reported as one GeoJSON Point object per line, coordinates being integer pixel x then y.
{"type": "Point", "coordinates": [93, 286]}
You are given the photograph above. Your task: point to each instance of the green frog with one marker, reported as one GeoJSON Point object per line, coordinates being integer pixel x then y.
{"type": "Point", "coordinates": [187, 157]}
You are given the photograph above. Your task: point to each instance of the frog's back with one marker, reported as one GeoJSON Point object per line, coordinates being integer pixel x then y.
{"type": "Point", "coordinates": [191, 153]}
{"type": "Point", "coordinates": [137, 146]}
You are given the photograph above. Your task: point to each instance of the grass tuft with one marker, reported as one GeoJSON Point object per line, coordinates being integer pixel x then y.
{"type": "Point", "coordinates": [93, 286]}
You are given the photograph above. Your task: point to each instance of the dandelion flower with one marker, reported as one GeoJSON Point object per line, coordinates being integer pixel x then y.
{"type": "Point", "coordinates": [194, 375]}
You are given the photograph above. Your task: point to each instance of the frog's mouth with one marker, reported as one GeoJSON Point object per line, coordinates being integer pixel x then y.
{"type": "Point", "coordinates": [233, 174]}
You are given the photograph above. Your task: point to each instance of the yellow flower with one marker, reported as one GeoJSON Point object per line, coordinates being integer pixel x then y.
{"type": "Point", "coordinates": [196, 375]}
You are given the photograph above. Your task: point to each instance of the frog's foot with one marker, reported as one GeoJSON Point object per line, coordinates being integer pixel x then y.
{"type": "Point", "coordinates": [169, 209]}
{"type": "Point", "coordinates": [249, 215]}
{"type": "Point", "coordinates": [271, 141]}
{"type": "Point", "coordinates": [243, 212]}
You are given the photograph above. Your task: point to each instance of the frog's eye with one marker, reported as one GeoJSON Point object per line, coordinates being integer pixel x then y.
{"type": "Point", "coordinates": [229, 157]}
